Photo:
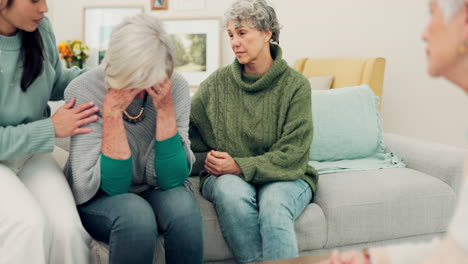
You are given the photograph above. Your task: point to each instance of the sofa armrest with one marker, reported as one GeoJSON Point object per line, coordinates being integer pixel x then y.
{"type": "Point", "coordinates": [438, 160]}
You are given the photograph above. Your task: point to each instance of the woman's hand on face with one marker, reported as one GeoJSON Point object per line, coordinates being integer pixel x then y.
{"type": "Point", "coordinates": [68, 120]}
{"type": "Point", "coordinates": [117, 100]}
{"type": "Point", "coordinates": [161, 94]}
{"type": "Point", "coordinates": [219, 163]}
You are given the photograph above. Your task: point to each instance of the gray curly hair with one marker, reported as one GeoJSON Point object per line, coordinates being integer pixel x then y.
{"type": "Point", "coordinates": [450, 7]}
{"type": "Point", "coordinates": [257, 14]}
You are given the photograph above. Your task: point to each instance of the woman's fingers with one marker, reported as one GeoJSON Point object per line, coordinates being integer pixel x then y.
{"type": "Point", "coordinates": [210, 170]}
{"type": "Point", "coordinates": [211, 165]}
{"type": "Point", "coordinates": [134, 92]}
{"type": "Point", "coordinates": [87, 112]}
{"type": "Point", "coordinates": [88, 120]}
{"type": "Point", "coordinates": [69, 104]}
{"type": "Point", "coordinates": [82, 131]}
{"type": "Point", "coordinates": [212, 160]}
{"type": "Point", "coordinates": [209, 161]}
{"type": "Point", "coordinates": [151, 92]}
{"type": "Point", "coordinates": [219, 155]}
{"type": "Point", "coordinates": [120, 99]}
{"type": "Point", "coordinates": [67, 120]}
{"type": "Point", "coordinates": [160, 89]}
{"type": "Point", "coordinates": [80, 108]}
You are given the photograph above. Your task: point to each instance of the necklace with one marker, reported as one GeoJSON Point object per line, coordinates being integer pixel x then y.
{"type": "Point", "coordinates": [140, 116]}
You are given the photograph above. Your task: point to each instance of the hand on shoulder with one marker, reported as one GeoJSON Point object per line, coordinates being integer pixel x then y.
{"type": "Point", "coordinates": [69, 120]}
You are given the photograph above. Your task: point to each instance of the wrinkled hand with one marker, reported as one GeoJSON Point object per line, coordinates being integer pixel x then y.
{"type": "Point", "coordinates": [162, 95]}
{"type": "Point", "coordinates": [347, 257]}
{"type": "Point", "coordinates": [219, 163]}
{"type": "Point", "coordinates": [117, 100]}
{"type": "Point", "coordinates": [68, 120]}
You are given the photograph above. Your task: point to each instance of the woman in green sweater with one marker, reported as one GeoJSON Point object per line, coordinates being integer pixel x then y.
{"type": "Point", "coordinates": [39, 222]}
{"type": "Point", "coordinates": [254, 119]}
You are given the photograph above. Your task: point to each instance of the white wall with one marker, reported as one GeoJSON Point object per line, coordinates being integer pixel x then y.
{"type": "Point", "coordinates": [413, 103]}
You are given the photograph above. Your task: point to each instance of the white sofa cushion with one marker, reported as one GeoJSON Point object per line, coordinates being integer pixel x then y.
{"type": "Point", "coordinates": [321, 82]}
{"type": "Point", "coordinates": [383, 204]}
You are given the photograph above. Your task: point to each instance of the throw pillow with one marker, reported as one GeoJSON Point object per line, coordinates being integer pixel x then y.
{"type": "Point", "coordinates": [321, 82]}
{"type": "Point", "coordinates": [346, 124]}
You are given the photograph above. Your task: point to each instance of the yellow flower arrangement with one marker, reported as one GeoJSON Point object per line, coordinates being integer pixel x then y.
{"type": "Point", "coordinates": [74, 52]}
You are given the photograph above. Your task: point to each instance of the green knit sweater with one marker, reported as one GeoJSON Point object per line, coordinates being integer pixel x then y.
{"type": "Point", "coordinates": [264, 122]}
{"type": "Point", "coordinates": [25, 126]}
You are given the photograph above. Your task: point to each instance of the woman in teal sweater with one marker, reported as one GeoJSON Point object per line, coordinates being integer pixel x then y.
{"type": "Point", "coordinates": [254, 117]}
{"type": "Point", "coordinates": [39, 222]}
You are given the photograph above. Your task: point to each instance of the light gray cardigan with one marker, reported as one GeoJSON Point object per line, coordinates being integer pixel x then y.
{"type": "Point", "coordinates": [83, 169]}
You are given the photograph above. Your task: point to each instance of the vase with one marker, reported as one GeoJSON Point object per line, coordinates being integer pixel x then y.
{"type": "Point", "coordinates": [77, 63]}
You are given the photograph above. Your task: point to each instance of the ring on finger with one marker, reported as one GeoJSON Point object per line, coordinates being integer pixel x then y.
{"type": "Point", "coordinates": [159, 91]}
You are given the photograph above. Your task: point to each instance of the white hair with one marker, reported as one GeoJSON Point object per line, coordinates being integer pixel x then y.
{"type": "Point", "coordinates": [450, 7]}
{"type": "Point", "coordinates": [140, 54]}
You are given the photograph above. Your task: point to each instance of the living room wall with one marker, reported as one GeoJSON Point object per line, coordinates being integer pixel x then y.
{"type": "Point", "coordinates": [413, 103]}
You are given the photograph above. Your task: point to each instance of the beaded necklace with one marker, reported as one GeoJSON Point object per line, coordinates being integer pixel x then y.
{"type": "Point", "coordinates": [139, 117]}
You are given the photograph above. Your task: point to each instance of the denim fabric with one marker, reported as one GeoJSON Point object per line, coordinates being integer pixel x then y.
{"type": "Point", "coordinates": [130, 224]}
{"type": "Point", "coordinates": [257, 221]}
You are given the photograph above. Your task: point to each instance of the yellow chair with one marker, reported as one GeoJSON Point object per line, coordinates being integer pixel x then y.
{"type": "Point", "coordinates": [346, 71]}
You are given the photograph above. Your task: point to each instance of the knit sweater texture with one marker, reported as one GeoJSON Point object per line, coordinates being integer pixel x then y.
{"type": "Point", "coordinates": [25, 126]}
{"type": "Point", "coordinates": [264, 122]}
{"type": "Point", "coordinates": [83, 169]}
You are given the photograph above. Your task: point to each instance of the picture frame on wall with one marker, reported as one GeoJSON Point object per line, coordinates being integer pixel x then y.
{"type": "Point", "coordinates": [159, 4]}
{"type": "Point", "coordinates": [98, 23]}
{"type": "Point", "coordinates": [197, 44]}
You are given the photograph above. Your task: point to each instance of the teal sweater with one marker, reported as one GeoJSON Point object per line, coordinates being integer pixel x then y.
{"type": "Point", "coordinates": [170, 164]}
{"type": "Point", "coordinates": [25, 126]}
{"type": "Point", "coordinates": [264, 122]}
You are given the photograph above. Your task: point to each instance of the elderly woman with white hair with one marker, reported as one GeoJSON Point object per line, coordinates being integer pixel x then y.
{"type": "Point", "coordinates": [254, 120]}
{"type": "Point", "coordinates": [447, 51]}
{"type": "Point", "coordinates": [128, 175]}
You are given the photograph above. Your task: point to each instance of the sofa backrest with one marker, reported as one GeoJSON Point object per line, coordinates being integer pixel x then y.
{"type": "Point", "coordinates": [346, 71]}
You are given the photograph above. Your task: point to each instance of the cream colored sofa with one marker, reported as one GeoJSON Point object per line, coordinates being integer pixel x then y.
{"type": "Point", "coordinates": [352, 209]}
{"type": "Point", "coordinates": [382, 207]}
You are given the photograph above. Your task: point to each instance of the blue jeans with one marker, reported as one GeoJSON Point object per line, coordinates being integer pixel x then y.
{"type": "Point", "coordinates": [257, 221]}
{"type": "Point", "coordinates": [129, 223]}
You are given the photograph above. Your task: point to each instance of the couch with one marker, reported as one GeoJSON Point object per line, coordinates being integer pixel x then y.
{"type": "Point", "coordinates": [352, 209]}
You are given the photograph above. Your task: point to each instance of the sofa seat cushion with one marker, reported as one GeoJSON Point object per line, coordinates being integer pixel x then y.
{"type": "Point", "coordinates": [376, 205]}
{"type": "Point", "coordinates": [310, 228]}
